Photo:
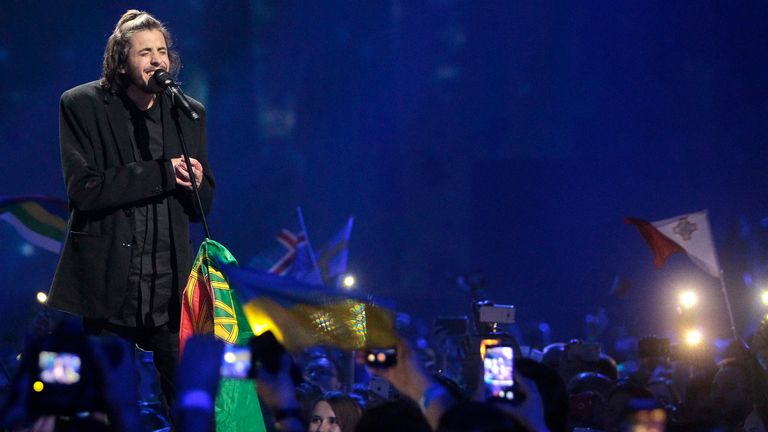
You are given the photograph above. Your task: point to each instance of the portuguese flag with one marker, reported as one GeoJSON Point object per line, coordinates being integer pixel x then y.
{"type": "Point", "coordinates": [210, 305]}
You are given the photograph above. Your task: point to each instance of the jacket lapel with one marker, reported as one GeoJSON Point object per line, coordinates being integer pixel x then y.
{"type": "Point", "coordinates": [118, 118]}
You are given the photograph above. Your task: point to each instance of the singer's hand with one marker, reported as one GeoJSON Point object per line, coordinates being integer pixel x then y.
{"type": "Point", "coordinates": [182, 174]}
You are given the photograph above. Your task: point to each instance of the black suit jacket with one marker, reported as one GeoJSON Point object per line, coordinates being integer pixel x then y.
{"type": "Point", "coordinates": [104, 182]}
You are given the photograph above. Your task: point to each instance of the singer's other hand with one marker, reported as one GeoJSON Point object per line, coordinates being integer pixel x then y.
{"type": "Point", "coordinates": [182, 174]}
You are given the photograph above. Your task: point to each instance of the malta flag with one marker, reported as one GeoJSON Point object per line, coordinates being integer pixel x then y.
{"type": "Point", "coordinates": [688, 233]}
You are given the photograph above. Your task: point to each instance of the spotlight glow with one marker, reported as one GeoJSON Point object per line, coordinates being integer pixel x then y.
{"type": "Point", "coordinates": [693, 337]}
{"type": "Point", "coordinates": [38, 386]}
{"type": "Point", "coordinates": [42, 297]}
{"type": "Point", "coordinates": [27, 250]}
{"type": "Point", "coordinates": [764, 297]}
{"type": "Point", "coordinates": [348, 281]}
{"type": "Point", "coordinates": [688, 299]}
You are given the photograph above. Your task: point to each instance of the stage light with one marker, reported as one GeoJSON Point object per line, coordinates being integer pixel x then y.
{"type": "Point", "coordinates": [348, 282]}
{"type": "Point", "coordinates": [38, 386]}
{"type": "Point", "coordinates": [693, 337]}
{"type": "Point", "coordinates": [42, 297]}
{"type": "Point", "coordinates": [688, 299]}
{"type": "Point", "coordinates": [764, 297]}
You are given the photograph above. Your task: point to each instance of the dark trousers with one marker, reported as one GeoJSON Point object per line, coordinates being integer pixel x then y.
{"type": "Point", "coordinates": [163, 341]}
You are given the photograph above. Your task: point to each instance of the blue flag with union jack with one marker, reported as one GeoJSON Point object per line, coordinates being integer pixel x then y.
{"type": "Point", "coordinates": [292, 256]}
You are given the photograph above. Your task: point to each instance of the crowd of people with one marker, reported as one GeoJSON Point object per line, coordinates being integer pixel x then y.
{"type": "Point", "coordinates": [572, 386]}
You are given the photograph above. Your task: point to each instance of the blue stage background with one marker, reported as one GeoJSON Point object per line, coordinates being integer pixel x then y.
{"type": "Point", "coordinates": [508, 138]}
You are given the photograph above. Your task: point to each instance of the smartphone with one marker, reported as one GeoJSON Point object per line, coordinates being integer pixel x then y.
{"type": "Point", "coordinates": [381, 358]}
{"type": "Point", "coordinates": [63, 378]}
{"type": "Point", "coordinates": [59, 368]}
{"type": "Point", "coordinates": [235, 362]}
{"type": "Point", "coordinates": [500, 314]}
{"type": "Point", "coordinates": [498, 372]}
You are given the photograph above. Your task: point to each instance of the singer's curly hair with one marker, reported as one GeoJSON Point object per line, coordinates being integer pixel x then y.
{"type": "Point", "coordinates": [119, 44]}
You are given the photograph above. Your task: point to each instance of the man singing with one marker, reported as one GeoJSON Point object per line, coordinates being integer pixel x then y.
{"type": "Point", "coordinates": [127, 251]}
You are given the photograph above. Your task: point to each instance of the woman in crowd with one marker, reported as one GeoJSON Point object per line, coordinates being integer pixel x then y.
{"type": "Point", "coordinates": [335, 411]}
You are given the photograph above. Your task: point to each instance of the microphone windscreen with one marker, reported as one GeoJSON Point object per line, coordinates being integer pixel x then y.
{"type": "Point", "coordinates": [162, 78]}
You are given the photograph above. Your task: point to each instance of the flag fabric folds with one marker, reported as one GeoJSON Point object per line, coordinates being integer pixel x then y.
{"type": "Point", "coordinates": [303, 315]}
{"type": "Point", "coordinates": [293, 257]}
{"type": "Point", "coordinates": [332, 258]}
{"type": "Point", "coordinates": [688, 233]}
{"type": "Point", "coordinates": [40, 220]}
{"type": "Point", "coordinates": [209, 305]}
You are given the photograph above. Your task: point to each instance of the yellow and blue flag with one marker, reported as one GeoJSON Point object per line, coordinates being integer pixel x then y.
{"type": "Point", "coordinates": [302, 315]}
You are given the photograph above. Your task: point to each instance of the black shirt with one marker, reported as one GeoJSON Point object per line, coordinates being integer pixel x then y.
{"type": "Point", "coordinates": [151, 276]}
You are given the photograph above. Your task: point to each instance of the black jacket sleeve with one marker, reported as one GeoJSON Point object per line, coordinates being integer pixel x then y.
{"type": "Point", "coordinates": [92, 182]}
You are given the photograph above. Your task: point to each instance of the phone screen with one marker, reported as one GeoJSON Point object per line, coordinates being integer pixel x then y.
{"type": "Point", "coordinates": [235, 362]}
{"type": "Point", "coordinates": [59, 368]}
{"type": "Point", "coordinates": [498, 368]}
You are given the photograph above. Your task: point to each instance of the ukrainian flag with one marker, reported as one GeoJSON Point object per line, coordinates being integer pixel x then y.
{"type": "Point", "coordinates": [302, 315]}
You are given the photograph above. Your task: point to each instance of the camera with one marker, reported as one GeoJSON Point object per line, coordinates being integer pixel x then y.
{"type": "Point", "coordinates": [381, 358]}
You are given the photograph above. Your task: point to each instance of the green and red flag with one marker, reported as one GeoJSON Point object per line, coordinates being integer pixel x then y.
{"type": "Point", "coordinates": [210, 305]}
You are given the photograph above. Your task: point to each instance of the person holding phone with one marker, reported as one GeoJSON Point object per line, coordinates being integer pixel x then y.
{"type": "Point", "coordinates": [411, 378]}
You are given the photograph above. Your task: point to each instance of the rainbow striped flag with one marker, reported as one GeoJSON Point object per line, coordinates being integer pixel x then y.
{"type": "Point", "coordinates": [39, 219]}
{"type": "Point", "coordinates": [210, 305]}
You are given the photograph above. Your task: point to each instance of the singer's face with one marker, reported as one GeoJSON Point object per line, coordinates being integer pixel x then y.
{"type": "Point", "coordinates": [147, 54]}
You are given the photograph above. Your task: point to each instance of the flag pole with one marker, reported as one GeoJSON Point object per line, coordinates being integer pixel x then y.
{"type": "Point", "coordinates": [728, 306]}
{"type": "Point", "coordinates": [306, 237]}
{"type": "Point", "coordinates": [722, 284]}
{"type": "Point", "coordinates": [723, 288]}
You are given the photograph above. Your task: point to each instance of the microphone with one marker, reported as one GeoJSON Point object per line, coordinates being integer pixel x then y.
{"type": "Point", "coordinates": [164, 80]}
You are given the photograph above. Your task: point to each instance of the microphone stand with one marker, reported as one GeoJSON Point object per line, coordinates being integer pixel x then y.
{"type": "Point", "coordinates": [185, 153]}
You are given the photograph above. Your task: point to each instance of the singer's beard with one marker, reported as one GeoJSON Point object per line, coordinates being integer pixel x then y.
{"type": "Point", "coordinates": [149, 86]}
